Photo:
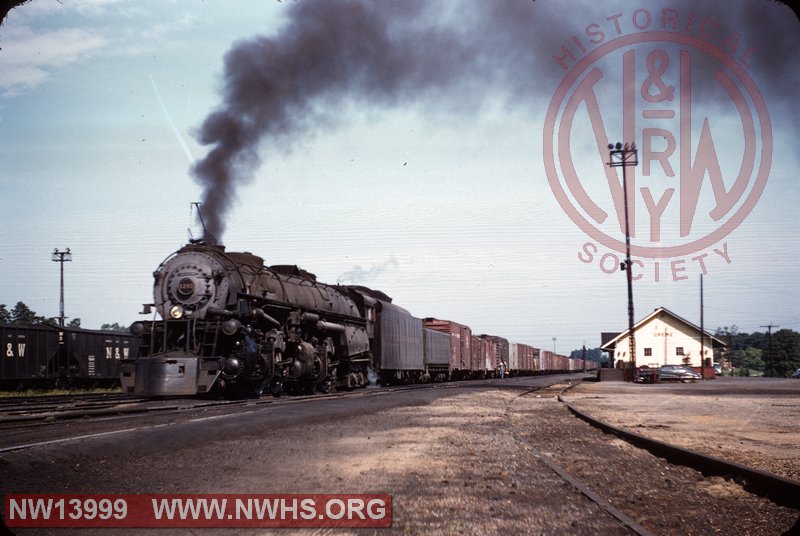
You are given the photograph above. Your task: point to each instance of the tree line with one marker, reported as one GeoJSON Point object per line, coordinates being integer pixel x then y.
{"type": "Point", "coordinates": [592, 354]}
{"type": "Point", "coordinates": [22, 314]}
{"type": "Point", "coordinates": [776, 354]}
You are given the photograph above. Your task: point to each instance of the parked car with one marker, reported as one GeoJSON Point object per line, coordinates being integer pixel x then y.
{"type": "Point", "coordinates": [678, 373]}
{"type": "Point", "coordinates": [718, 369]}
{"type": "Point", "coordinates": [796, 374]}
{"type": "Point", "coordinates": [646, 374]}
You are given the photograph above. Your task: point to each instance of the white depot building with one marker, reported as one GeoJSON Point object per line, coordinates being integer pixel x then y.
{"type": "Point", "coordinates": [662, 338]}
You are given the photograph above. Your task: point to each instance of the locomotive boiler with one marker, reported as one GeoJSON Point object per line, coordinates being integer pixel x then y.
{"type": "Point", "coordinates": [231, 325]}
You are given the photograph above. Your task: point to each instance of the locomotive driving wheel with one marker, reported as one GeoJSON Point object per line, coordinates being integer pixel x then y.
{"type": "Point", "coordinates": [276, 386]}
{"type": "Point", "coordinates": [325, 386]}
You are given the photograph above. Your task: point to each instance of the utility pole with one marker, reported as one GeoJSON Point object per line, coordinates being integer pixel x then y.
{"type": "Point", "coordinates": [702, 334]}
{"type": "Point", "coordinates": [62, 257]}
{"type": "Point", "coordinates": [584, 357]}
{"type": "Point", "coordinates": [730, 349]}
{"type": "Point", "coordinates": [554, 345]}
{"type": "Point", "coordinates": [623, 156]}
{"type": "Point", "coordinates": [770, 361]}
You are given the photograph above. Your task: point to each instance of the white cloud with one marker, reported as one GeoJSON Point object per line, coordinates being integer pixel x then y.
{"type": "Point", "coordinates": [43, 8]}
{"type": "Point", "coordinates": [28, 58]}
{"type": "Point", "coordinates": [180, 23]}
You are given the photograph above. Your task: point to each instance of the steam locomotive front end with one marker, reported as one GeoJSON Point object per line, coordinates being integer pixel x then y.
{"type": "Point", "coordinates": [197, 344]}
{"type": "Point", "coordinates": [193, 283]}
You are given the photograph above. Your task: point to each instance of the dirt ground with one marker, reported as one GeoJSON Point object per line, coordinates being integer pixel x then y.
{"type": "Point", "coordinates": [473, 463]}
{"type": "Point", "coordinates": [752, 421]}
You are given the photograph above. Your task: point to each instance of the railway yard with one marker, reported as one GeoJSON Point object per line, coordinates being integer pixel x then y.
{"type": "Point", "coordinates": [481, 457]}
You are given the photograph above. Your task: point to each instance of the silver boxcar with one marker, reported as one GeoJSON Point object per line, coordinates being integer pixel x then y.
{"type": "Point", "coordinates": [437, 353]}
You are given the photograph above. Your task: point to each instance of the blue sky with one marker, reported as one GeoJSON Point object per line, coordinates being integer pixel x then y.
{"type": "Point", "coordinates": [438, 197]}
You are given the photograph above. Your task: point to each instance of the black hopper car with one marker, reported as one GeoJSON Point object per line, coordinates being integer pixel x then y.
{"type": "Point", "coordinates": [42, 356]}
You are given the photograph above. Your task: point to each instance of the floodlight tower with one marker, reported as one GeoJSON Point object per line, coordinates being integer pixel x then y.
{"type": "Point", "coordinates": [62, 257]}
{"type": "Point", "coordinates": [623, 156]}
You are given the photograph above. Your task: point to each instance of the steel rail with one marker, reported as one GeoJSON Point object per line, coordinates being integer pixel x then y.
{"type": "Point", "coordinates": [780, 490]}
{"type": "Point", "coordinates": [600, 501]}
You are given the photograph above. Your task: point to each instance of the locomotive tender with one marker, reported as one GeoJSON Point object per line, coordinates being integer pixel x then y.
{"type": "Point", "coordinates": [231, 325]}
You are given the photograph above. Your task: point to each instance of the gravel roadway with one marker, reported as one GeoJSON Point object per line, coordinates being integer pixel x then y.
{"type": "Point", "coordinates": [456, 460]}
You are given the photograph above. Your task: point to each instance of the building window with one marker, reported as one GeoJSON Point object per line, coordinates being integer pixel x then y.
{"type": "Point", "coordinates": [679, 350]}
{"type": "Point", "coordinates": [648, 352]}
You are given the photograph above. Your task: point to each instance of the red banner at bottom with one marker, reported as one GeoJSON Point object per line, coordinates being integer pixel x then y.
{"type": "Point", "coordinates": [203, 511]}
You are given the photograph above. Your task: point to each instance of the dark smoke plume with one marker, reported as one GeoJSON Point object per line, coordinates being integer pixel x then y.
{"type": "Point", "coordinates": [449, 56]}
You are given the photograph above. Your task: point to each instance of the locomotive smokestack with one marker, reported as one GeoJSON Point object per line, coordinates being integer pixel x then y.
{"type": "Point", "coordinates": [412, 52]}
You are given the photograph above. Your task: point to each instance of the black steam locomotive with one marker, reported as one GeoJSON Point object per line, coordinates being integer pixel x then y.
{"type": "Point", "coordinates": [231, 325]}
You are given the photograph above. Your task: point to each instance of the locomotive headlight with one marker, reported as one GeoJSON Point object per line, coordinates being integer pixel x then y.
{"type": "Point", "coordinates": [232, 365]}
{"type": "Point", "coordinates": [176, 312]}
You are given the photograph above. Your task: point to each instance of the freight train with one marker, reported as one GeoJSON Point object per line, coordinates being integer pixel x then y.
{"type": "Point", "coordinates": [43, 356]}
{"type": "Point", "coordinates": [228, 324]}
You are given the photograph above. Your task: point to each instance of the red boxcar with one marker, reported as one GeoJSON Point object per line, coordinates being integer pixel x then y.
{"type": "Point", "coordinates": [477, 355]}
{"type": "Point", "coordinates": [501, 347]}
{"type": "Point", "coordinates": [459, 343]}
{"type": "Point", "coordinates": [526, 358]}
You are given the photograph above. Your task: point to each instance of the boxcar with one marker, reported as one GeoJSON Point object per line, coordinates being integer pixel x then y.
{"type": "Point", "coordinates": [459, 344]}
{"type": "Point", "coordinates": [477, 352]}
{"type": "Point", "coordinates": [437, 354]}
{"type": "Point", "coordinates": [513, 358]}
{"type": "Point", "coordinates": [501, 350]}
{"type": "Point", "coordinates": [490, 355]}
{"type": "Point", "coordinates": [525, 358]}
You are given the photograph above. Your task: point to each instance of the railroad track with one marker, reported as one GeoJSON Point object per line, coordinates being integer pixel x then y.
{"type": "Point", "coordinates": [34, 411]}
{"type": "Point", "coordinates": [604, 480]}
{"type": "Point", "coordinates": [31, 404]}
{"type": "Point", "coordinates": [55, 404]}
{"type": "Point", "coordinates": [780, 490]}
{"type": "Point", "coordinates": [26, 414]}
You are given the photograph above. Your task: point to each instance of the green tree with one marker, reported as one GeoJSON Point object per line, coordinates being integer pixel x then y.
{"type": "Point", "coordinates": [786, 352]}
{"type": "Point", "coordinates": [22, 314]}
{"type": "Point", "coordinates": [74, 323]}
{"type": "Point", "coordinates": [748, 359]}
{"type": "Point", "coordinates": [592, 354]}
{"type": "Point", "coordinates": [5, 316]}
{"type": "Point", "coordinates": [727, 334]}
{"type": "Point", "coordinates": [114, 327]}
